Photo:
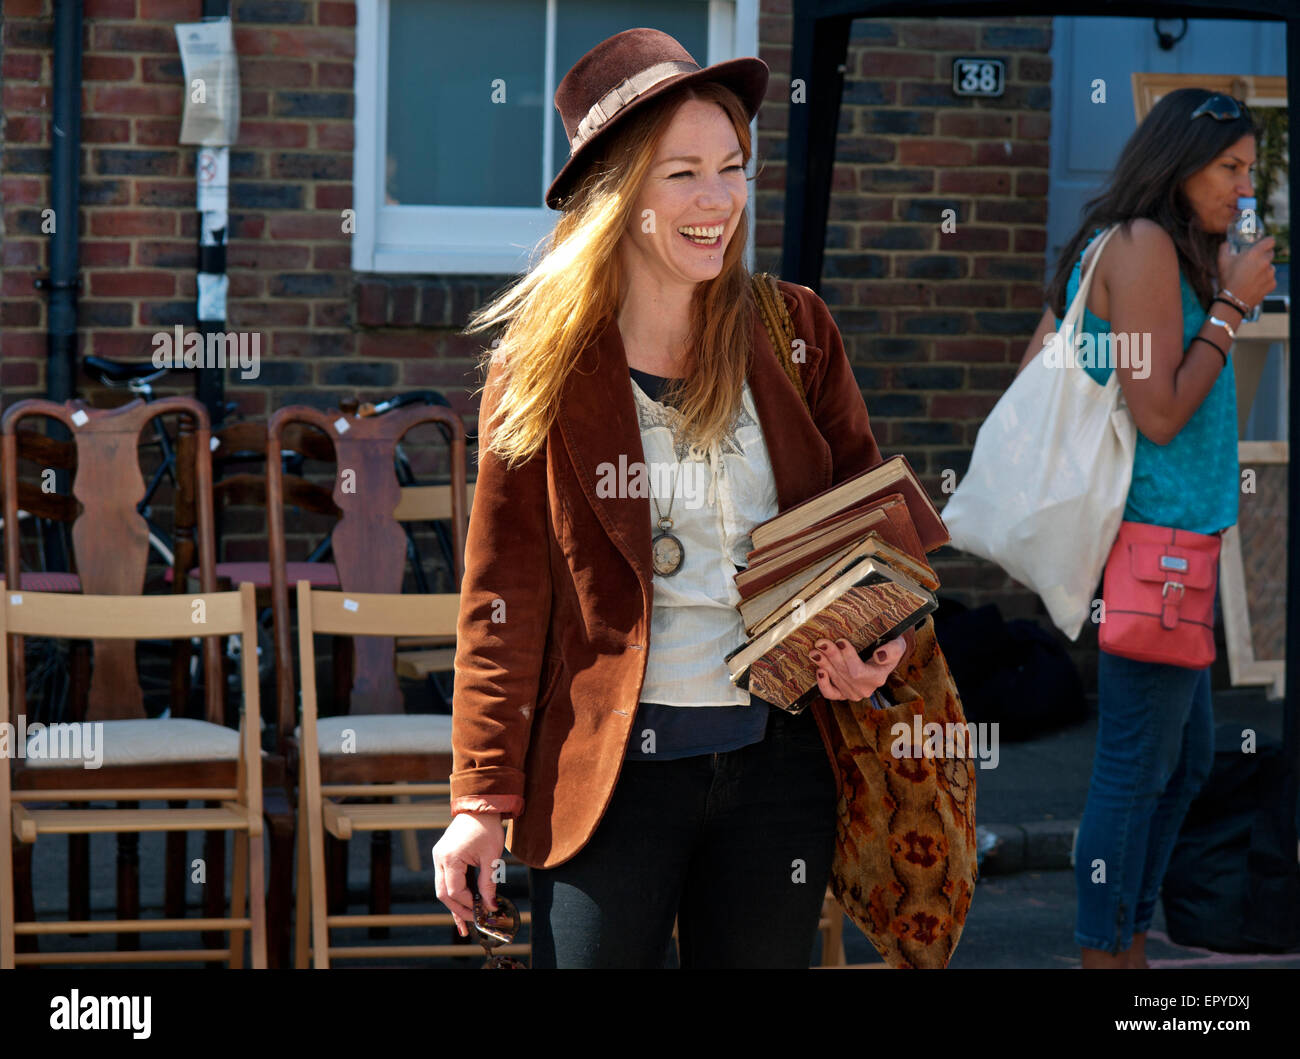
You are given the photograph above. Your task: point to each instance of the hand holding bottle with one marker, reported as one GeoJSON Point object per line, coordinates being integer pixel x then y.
{"type": "Point", "coordinates": [1246, 259]}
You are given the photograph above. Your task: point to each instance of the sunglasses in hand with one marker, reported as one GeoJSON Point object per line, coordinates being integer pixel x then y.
{"type": "Point", "coordinates": [494, 929]}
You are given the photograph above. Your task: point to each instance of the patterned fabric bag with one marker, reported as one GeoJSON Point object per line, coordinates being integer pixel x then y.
{"type": "Point", "coordinates": [905, 862]}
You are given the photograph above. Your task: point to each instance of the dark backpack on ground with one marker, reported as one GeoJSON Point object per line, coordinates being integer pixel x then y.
{"type": "Point", "coordinates": [1012, 672]}
{"type": "Point", "coordinates": [1233, 884]}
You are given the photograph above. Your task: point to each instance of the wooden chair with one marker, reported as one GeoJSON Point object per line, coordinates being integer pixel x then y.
{"type": "Point", "coordinates": [110, 547]}
{"type": "Point", "coordinates": [234, 448]}
{"type": "Point", "coordinates": [369, 549]}
{"type": "Point", "coordinates": [55, 509]}
{"type": "Point", "coordinates": [240, 444]}
{"type": "Point", "coordinates": [404, 750]}
{"type": "Point", "coordinates": [221, 765]}
{"type": "Point", "coordinates": [49, 454]}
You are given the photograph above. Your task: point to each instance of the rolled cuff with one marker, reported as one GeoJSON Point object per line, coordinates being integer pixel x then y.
{"type": "Point", "coordinates": [488, 789]}
{"type": "Point", "coordinates": [508, 805]}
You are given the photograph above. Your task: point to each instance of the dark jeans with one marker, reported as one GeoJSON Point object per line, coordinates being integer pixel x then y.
{"type": "Point", "coordinates": [737, 846]}
{"type": "Point", "coordinates": [1155, 748]}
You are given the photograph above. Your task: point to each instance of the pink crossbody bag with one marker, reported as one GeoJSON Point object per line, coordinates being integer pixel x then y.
{"type": "Point", "coordinates": [1158, 594]}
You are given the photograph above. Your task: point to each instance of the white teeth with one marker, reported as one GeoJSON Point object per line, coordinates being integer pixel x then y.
{"type": "Point", "coordinates": [703, 233]}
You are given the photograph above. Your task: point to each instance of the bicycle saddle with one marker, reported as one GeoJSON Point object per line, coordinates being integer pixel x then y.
{"type": "Point", "coordinates": [107, 371]}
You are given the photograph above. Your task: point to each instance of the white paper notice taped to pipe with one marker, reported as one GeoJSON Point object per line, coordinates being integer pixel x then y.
{"type": "Point", "coordinates": [211, 68]}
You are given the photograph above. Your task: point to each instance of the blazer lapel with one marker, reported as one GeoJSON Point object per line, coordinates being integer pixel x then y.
{"type": "Point", "coordinates": [597, 416]}
{"type": "Point", "coordinates": [598, 420]}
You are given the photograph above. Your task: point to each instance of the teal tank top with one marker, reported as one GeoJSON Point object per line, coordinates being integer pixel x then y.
{"type": "Point", "coordinates": [1193, 482]}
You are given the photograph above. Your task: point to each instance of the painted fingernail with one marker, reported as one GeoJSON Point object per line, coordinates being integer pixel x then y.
{"type": "Point", "coordinates": [844, 643]}
{"type": "Point", "coordinates": [821, 673]}
{"type": "Point", "coordinates": [815, 656]}
{"type": "Point", "coordinates": [882, 656]}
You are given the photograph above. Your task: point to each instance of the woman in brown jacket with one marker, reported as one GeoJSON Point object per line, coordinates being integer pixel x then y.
{"type": "Point", "coordinates": [640, 426]}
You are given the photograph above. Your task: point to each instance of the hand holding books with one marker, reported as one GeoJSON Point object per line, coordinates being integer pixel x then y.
{"type": "Point", "coordinates": [844, 674]}
{"type": "Point", "coordinates": [845, 567]}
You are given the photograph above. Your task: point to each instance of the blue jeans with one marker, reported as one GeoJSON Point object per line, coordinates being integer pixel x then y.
{"type": "Point", "coordinates": [736, 845]}
{"type": "Point", "coordinates": [1155, 748]}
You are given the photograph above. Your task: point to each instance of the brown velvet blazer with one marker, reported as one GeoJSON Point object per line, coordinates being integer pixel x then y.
{"type": "Point", "coordinates": [556, 600]}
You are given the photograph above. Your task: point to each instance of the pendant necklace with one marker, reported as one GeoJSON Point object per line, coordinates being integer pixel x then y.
{"type": "Point", "coordinates": [666, 550]}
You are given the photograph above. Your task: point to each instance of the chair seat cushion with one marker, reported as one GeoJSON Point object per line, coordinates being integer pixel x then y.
{"type": "Point", "coordinates": [321, 575]}
{"type": "Point", "coordinates": [258, 574]}
{"type": "Point", "coordinates": [158, 741]}
{"type": "Point", "coordinates": [384, 733]}
{"type": "Point", "coordinates": [49, 581]}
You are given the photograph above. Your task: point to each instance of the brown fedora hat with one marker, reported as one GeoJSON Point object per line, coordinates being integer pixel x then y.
{"type": "Point", "coordinates": [625, 72]}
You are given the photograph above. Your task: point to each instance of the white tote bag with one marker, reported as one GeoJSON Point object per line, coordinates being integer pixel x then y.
{"type": "Point", "coordinates": [1050, 474]}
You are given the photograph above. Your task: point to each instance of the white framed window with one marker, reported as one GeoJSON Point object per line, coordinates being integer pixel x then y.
{"type": "Point", "coordinates": [456, 133]}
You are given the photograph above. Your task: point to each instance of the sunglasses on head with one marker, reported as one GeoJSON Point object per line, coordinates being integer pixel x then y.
{"type": "Point", "coordinates": [1222, 108]}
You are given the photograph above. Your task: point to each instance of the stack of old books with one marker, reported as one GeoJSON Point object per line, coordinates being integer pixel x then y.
{"type": "Point", "coordinates": [846, 564]}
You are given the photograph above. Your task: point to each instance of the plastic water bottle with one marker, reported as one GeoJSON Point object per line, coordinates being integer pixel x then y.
{"type": "Point", "coordinates": [1243, 233]}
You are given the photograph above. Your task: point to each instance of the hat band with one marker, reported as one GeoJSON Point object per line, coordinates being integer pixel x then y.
{"type": "Point", "coordinates": [622, 94]}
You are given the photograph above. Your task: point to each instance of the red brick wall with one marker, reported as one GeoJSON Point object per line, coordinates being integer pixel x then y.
{"type": "Point", "coordinates": [935, 323]}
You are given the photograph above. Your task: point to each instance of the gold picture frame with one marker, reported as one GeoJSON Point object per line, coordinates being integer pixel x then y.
{"type": "Point", "coordinates": [1252, 594]}
{"type": "Point", "coordinates": [1254, 91]}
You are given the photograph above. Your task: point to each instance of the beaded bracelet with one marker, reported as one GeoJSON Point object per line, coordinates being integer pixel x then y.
{"type": "Point", "coordinates": [1222, 352]}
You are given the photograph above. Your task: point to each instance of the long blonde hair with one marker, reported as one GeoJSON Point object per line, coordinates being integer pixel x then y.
{"type": "Point", "coordinates": [560, 306]}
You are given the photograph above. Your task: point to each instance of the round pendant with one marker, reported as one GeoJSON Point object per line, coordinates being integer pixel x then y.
{"type": "Point", "coordinates": [668, 554]}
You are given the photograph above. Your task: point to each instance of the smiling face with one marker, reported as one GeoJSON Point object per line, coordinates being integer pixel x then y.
{"type": "Point", "coordinates": [1213, 191]}
{"type": "Point", "coordinates": [696, 183]}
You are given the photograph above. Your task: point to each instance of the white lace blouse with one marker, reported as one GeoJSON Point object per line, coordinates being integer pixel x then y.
{"type": "Point", "coordinates": [718, 496]}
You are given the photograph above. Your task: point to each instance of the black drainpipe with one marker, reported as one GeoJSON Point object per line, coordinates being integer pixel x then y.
{"type": "Point", "coordinates": [210, 383]}
{"type": "Point", "coordinates": [65, 193]}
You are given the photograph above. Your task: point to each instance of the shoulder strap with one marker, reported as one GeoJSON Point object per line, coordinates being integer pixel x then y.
{"type": "Point", "coordinates": [1074, 312]}
{"type": "Point", "coordinates": [780, 328]}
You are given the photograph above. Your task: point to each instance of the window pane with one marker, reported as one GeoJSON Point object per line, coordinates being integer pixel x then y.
{"type": "Point", "coordinates": [449, 144]}
{"type": "Point", "coordinates": [582, 24]}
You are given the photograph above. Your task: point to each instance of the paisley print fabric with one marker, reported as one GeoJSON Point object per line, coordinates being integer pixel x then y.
{"type": "Point", "coordinates": [905, 857]}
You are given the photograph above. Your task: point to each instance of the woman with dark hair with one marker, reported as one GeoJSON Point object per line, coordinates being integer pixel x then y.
{"type": "Point", "coordinates": [1168, 276]}
{"type": "Point", "coordinates": [593, 708]}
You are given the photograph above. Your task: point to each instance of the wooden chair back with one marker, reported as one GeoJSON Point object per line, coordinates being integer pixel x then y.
{"type": "Point", "coordinates": [110, 537]}
{"type": "Point", "coordinates": [49, 454]}
{"type": "Point", "coordinates": [433, 503]}
{"type": "Point", "coordinates": [238, 445]}
{"type": "Point", "coordinates": [377, 614]}
{"type": "Point", "coordinates": [369, 545]}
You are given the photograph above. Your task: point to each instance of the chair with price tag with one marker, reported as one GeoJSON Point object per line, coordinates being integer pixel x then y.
{"type": "Point", "coordinates": [164, 746]}
{"type": "Point", "coordinates": [118, 761]}
{"type": "Point", "coordinates": [373, 749]}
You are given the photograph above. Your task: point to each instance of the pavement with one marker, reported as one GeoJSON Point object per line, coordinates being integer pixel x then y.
{"type": "Point", "coordinates": [1022, 916]}
{"type": "Point", "coordinates": [1028, 807]}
